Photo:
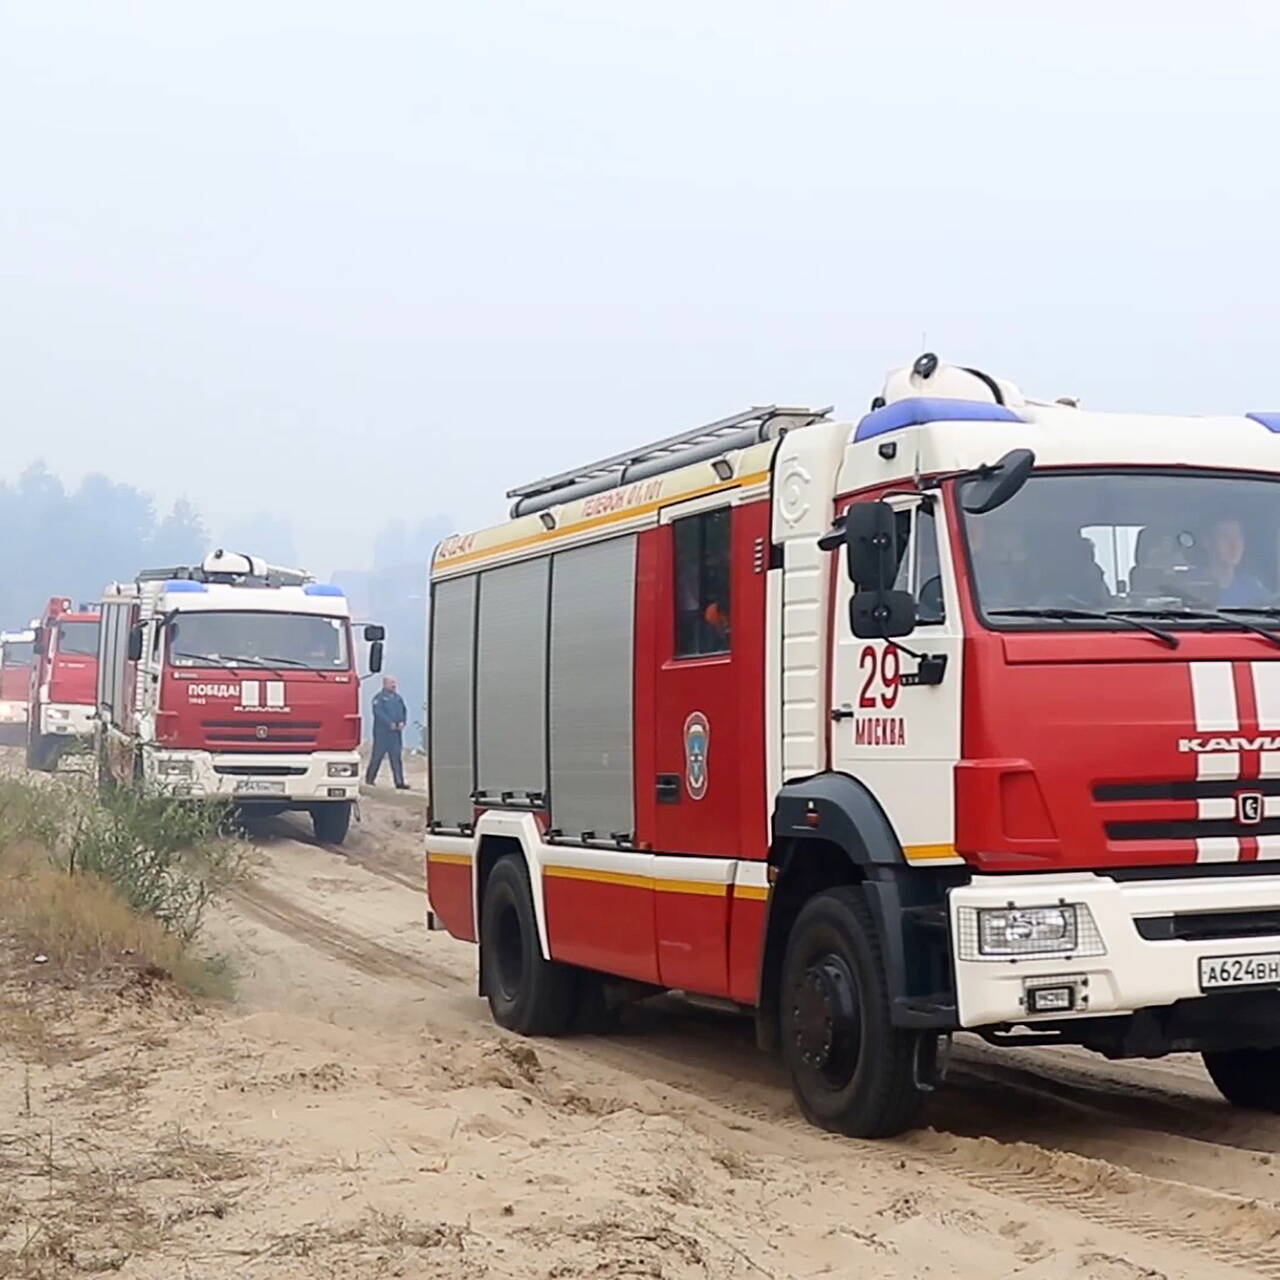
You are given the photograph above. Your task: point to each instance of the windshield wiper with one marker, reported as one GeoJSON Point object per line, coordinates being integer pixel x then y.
{"type": "Point", "coordinates": [1090, 615]}
{"type": "Point", "coordinates": [1213, 615]}
{"type": "Point", "coordinates": [293, 662]}
{"type": "Point", "coordinates": [202, 657]}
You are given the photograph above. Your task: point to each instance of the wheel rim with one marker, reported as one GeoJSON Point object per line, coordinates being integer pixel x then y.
{"type": "Point", "coordinates": [509, 951]}
{"type": "Point", "coordinates": [826, 1020]}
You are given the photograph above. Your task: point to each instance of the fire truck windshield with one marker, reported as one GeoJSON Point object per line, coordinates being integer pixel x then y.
{"type": "Point", "coordinates": [78, 639]}
{"type": "Point", "coordinates": [17, 653]}
{"type": "Point", "coordinates": [1133, 543]}
{"type": "Point", "coordinates": [258, 638]}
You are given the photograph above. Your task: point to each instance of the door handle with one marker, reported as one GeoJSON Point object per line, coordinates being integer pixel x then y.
{"type": "Point", "coordinates": [842, 713]}
{"type": "Point", "coordinates": [668, 788]}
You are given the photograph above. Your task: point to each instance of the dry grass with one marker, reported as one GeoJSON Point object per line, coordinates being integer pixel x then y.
{"type": "Point", "coordinates": [83, 925]}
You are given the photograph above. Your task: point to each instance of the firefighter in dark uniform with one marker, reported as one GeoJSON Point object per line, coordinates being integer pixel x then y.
{"type": "Point", "coordinates": [389, 716]}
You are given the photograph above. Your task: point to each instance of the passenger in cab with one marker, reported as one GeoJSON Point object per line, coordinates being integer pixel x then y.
{"type": "Point", "coordinates": [1225, 545]}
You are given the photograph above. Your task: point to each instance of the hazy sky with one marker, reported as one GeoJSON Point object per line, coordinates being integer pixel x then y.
{"type": "Point", "coordinates": [352, 261]}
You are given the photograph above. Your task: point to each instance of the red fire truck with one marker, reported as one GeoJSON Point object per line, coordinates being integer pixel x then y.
{"type": "Point", "coordinates": [234, 680]}
{"type": "Point", "coordinates": [15, 681]}
{"type": "Point", "coordinates": [63, 673]}
{"type": "Point", "coordinates": [964, 715]}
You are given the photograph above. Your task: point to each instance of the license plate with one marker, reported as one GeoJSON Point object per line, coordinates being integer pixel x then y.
{"type": "Point", "coordinates": [1261, 970]}
{"type": "Point", "coordinates": [259, 787]}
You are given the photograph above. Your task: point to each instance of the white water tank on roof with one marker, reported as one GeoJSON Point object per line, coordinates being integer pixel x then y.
{"type": "Point", "coordinates": [929, 377]}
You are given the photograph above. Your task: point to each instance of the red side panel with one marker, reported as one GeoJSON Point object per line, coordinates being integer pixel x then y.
{"type": "Point", "coordinates": [449, 891]}
{"type": "Point", "coordinates": [693, 935]}
{"type": "Point", "coordinates": [746, 943]}
{"type": "Point", "coordinates": [13, 683]}
{"type": "Point", "coordinates": [601, 922]}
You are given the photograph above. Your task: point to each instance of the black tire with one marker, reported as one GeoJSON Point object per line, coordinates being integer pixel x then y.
{"type": "Point", "coordinates": [852, 1070]}
{"type": "Point", "coordinates": [526, 992]}
{"type": "Point", "coordinates": [43, 751]}
{"type": "Point", "coordinates": [1246, 1077]}
{"type": "Point", "coordinates": [331, 820]}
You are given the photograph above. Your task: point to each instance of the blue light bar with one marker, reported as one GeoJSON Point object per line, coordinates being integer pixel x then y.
{"type": "Point", "coordinates": [184, 584]}
{"type": "Point", "coordinates": [921, 409]}
{"type": "Point", "coordinates": [322, 589]}
{"type": "Point", "coordinates": [1269, 420]}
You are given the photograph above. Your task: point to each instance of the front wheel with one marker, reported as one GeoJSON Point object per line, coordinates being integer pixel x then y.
{"type": "Point", "coordinates": [851, 1069]}
{"type": "Point", "coordinates": [331, 820]}
{"type": "Point", "coordinates": [526, 992]}
{"type": "Point", "coordinates": [1247, 1077]}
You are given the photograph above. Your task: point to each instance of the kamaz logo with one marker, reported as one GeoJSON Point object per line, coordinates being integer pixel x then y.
{"type": "Point", "coordinates": [1229, 744]}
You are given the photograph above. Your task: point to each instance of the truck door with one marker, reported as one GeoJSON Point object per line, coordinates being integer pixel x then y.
{"type": "Point", "coordinates": [899, 737]}
{"type": "Point", "coordinates": [700, 689]}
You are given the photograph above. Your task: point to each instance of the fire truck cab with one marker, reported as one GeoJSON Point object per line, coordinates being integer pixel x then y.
{"type": "Point", "coordinates": [234, 680]}
{"type": "Point", "coordinates": [16, 654]}
{"type": "Point", "coordinates": [961, 716]}
{"type": "Point", "coordinates": [63, 673]}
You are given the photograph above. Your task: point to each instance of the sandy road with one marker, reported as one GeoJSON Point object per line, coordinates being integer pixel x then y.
{"type": "Point", "coordinates": [1035, 1162]}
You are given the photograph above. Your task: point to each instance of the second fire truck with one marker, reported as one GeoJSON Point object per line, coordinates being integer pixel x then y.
{"type": "Point", "coordinates": [234, 680]}
{"type": "Point", "coordinates": [61, 691]}
{"type": "Point", "coordinates": [962, 715]}
{"type": "Point", "coordinates": [16, 654]}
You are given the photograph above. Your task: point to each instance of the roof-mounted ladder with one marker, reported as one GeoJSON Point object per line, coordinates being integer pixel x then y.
{"type": "Point", "coordinates": [761, 422]}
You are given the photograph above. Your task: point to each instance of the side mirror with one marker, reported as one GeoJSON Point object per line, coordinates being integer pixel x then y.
{"type": "Point", "coordinates": [993, 486]}
{"type": "Point", "coordinates": [135, 642]}
{"type": "Point", "coordinates": [882, 615]}
{"type": "Point", "coordinates": [869, 535]}
{"type": "Point", "coordinates": [375, 631]}
{"type": "Point", "coordinates": [375, 657]}
{"type": "Point", "coordinates": [37, 641]}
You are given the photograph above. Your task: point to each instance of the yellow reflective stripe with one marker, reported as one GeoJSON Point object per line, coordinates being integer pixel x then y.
{"type": "Point", "coordinates": [706, 888]}
{"type": "Point", "coordinates": [756, 892]}
{"type": "Point", "coordinates": [929, 852]}
{"type": "Point", "coordinates": [452, 859]}
{"type": "Point", "coordinates": [597, 522]}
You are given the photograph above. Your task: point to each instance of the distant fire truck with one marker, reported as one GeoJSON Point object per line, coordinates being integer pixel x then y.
{"type": "Point", "coordinates": [234, 680]}
{"type": "Point", "coordinates": [965, 715]}
{"type": "Point", "coordinates": [63, 673]}
{"type": "Point", "coordinates": [16, 653]}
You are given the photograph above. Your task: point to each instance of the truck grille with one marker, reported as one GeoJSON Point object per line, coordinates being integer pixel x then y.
{"type": "Point", "coordinates": [1134, 810]}
{"type": "Point", "coordinates": [1206, 926]}
{"type": "Point", "coordinates": [240, 733]}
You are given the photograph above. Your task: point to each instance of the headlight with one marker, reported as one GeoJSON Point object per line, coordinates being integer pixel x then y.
{"type": "Point", "coordinates": [343, 770]}
{"type": "Point", "coordinates": [59, 713]}
{"type": "Point", "coordinates": [1016, 931]}
{"type": "Point", "coordinates": [174, 768]}
{"type": "Point", "coordinates": [997, 933]}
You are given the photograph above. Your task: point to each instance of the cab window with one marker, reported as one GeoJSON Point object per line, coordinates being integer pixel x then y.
{"type": "Point", "coordinates": [919, 568]}
{"type": "Point", "coordinates": [702, 599]}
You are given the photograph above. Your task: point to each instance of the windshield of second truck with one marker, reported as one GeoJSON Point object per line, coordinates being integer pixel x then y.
{"type": "Point", "coordinates": [1144, 542]}
{"type": "Point", "coordinates": [78, 639]}
{"type": "Point", "coordinates": [258, 639]}
{"type": "Point", "coordinates": [18, 653]}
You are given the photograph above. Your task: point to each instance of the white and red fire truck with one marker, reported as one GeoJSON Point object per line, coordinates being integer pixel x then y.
{"type": "Point", "coordinates": [965, 715]}
{"type": "Point", "coordinates": [61, 687]}
{"type": "Point", "coordinates": [16, 653]}
{"type": "Point", "coordinates": [234, 680]}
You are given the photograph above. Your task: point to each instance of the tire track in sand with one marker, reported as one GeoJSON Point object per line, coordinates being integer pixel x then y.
{"type": "Point", "coordinates": [370, 957]}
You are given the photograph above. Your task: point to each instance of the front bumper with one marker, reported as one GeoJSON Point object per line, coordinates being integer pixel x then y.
{"type": "Point", "coordinates": [274, 779]}
{"type": "Point", "coordinates": [1134, 973]}
{"type": "Point", "coordinates": [66, 719]}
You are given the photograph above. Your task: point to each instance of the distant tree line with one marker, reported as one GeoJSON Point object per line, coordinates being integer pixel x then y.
{"type": "Point", "coordinates": [60, 541]}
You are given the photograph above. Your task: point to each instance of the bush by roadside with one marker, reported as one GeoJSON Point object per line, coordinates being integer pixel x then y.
{"type": "Point", "coordinates": [92, 882]}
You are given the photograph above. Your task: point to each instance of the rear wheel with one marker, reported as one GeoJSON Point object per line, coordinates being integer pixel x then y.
{"type": "Point", "coordinates": [1247, 1077]}
{"type": "Point", "coordinates": [526, 992]}
{"type": "Point", "coordinates": [43, 750]}
{"type": "Point", "coordinates": [851, 1069]}
{"type": "Point", "coordinates": [331, 820]}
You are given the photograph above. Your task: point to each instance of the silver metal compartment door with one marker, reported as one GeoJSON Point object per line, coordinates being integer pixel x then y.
{"type": "Point", "coordinates": [453, 620]}
{"type": "Point", "coordinates": [113, 651]}
{"type": "Point", "coordinates": [592, 661]}
{"type": "Point", "coordinates": [511, 681]}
